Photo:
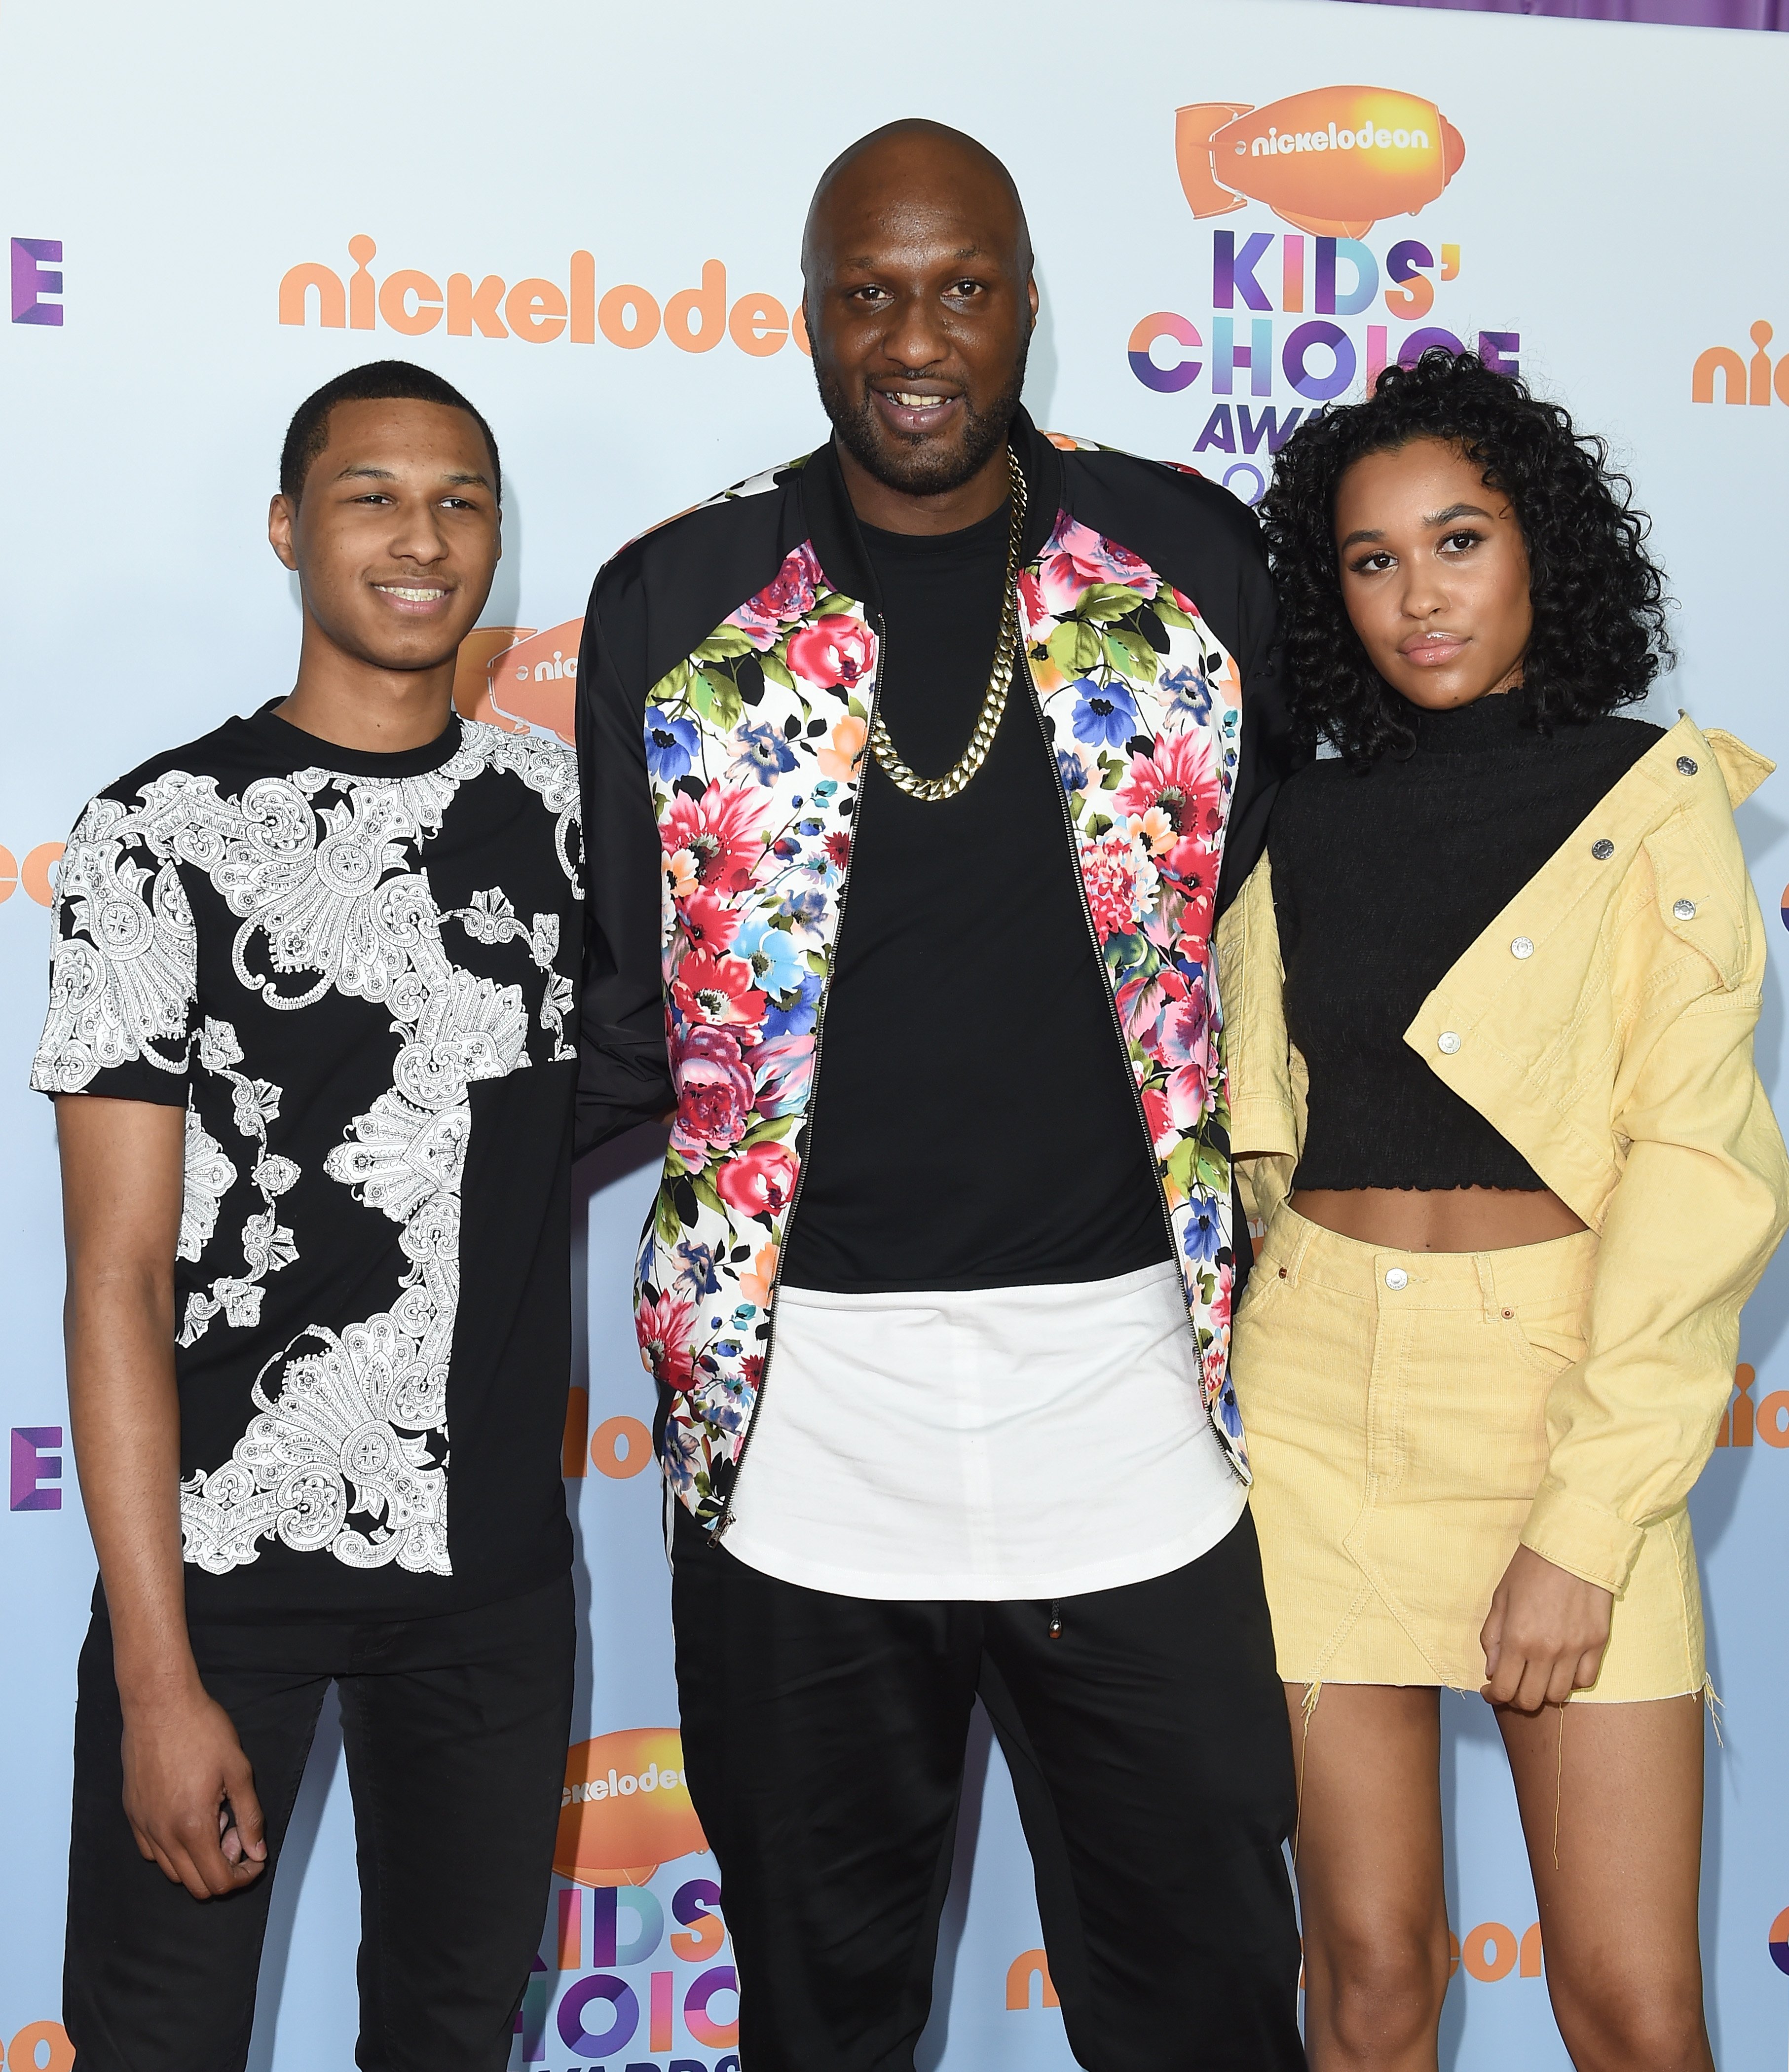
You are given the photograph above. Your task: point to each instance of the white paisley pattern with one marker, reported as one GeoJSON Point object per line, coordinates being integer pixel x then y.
{"type": "Point", "coordinates": [347, 1452]}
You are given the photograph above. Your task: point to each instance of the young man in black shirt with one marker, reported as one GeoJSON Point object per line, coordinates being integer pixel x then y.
{"type": "Point", "coordinates": [938, 1286]}
{"type": "Point", "coordinates": [310, 1039]}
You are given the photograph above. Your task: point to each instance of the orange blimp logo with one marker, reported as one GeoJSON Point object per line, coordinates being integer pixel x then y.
{"type": "Point", "coordinates": [517, 678]}
{"type": "Point", "coordinates": [1334, 161]}
{"type": "Point", "coordinates": [626, 1808]}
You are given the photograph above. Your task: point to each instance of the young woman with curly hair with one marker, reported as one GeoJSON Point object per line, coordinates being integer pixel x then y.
{"type": "Point", "coordinates": [1492, 991]}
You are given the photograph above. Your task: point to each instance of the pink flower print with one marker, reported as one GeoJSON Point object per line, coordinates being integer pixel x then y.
{"type": "Point", "coordinates": [840, 761]}
{"type": "Point", "coordinates": [833, 653]}
{"type": "Point", "coordinates": [722, 830]}
{"type": "Point", "coordinates": [1121, 883]}
{"type": "Point", "coordinates": [1189, 1045]}
{"type": "Point", "coordinates": [788, 594]}
{"type": "Point", "coordinates": [709, 922]}
{"type": "Point", "coordinates": [663, 1329]}
{"type": "Point", "coordinates": [1076, 558]}
{"type": "Point", "coordinates": [718, 990]}
{"type": "Point", "coordinates": [759, 1182]}
{"type": "Point", "coordinates": [1176, 799]}
{"type": "Point", "coordinates": [714, 1093]}
{"type": "Point", "coordinates": [1163, 1135]}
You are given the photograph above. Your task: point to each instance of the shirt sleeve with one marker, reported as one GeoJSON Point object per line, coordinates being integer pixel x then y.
{"type": "Point", "coordinates": [624, 1071]}
{"type": "Point", "coordinates": [1700, 1206]}
{"type": "Point", "coordinates": [124, 971]}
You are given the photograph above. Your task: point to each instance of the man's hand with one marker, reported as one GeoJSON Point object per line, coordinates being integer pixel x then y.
{"type": "Point", "coordinates": [1545, 1634]}
{"type": "Point", "coordinates": [189, 1795]}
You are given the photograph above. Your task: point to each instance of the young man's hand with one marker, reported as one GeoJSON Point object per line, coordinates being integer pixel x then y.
{"type": "Point", "coordinates": [1545, 1634]}
{"type": "Point", "coordinates": [189, 1795]}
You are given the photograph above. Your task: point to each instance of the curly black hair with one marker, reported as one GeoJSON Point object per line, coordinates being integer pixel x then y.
{"type": "Point", "coordinates": [1598, 598]}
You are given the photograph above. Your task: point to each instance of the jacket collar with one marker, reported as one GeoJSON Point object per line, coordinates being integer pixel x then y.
{"type": "Point", "coordinates": [837, 539]}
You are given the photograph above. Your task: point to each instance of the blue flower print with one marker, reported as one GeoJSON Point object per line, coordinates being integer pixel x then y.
{"type": "Point", "coordinates": [1072, 769]}
{"type": "Point", "coordinates": [1204, 1234]}
{"type": "Point", "coordinates": [795, 1016]}
{"type": "Point", "coordinates": [670, 745]}
{"type": "Point", "coordinates": [763, 754]}
{"type": "Point", "coordinates": [806, 909]}
{"type": "Point", "coordinates": [776, 963]}
{"type": "Point", "coordinates": [696, 1272]}
{"type": "Point", "coordinates": [1105, 715]}
{"type": "Point", "coordinates": [1188, 692]}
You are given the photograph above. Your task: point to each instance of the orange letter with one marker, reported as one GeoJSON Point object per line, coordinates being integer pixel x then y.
{"type": "Point", "coordinates": [359, 286]}
{"type": "Point", "coordinates": [1501, 1961]}
{"type": "Point", "coordinates": [583, 299]}
{"type": "Point", "coordinates": [394, 291]}
{"type": "Point", "coordinates": [22, 2050]}
{"type": "Point", "coordinates": [1762, 335]}
{"type": "Point", "coordinates": [466, 306]}
{"type": "Point", "coordinates": [1743, 1415]}
{"type": "Point", "coordinates": [535, 310]}
{"type": "Point", "coordinates": [1718, 359]}
{"type": "Point", "coordinates": [577, 1424]}
{"type": "Point", "coordinates": [620, 1447]}
{"type": "Point", "coordinates": [8, 874]}
{"type": "Point", "coordinates": [758, 325]}
{"type": "Point", "coordinates": [1772, 1418]}
{"type": "Point", "coordinates": [1028, 1965]}
{"type": "Point", "coordinates": [612, 314]}
{"type": "Point", "coordinates": [1531, 1953]}
{"type": "Point", "coordinates": [706, 306]}
{"type": "Point", "coordinates": [331, 296]}
{"type": "Point", "coordinates": [34, 873]}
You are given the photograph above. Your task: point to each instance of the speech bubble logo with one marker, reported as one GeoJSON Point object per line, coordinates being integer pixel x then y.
{"type": "Point", "coordinates": [514, 677]}
{"type": "Point", "coordinates": [626, 1809]}
{"type": "Point", "coordinates": [1334, 160]}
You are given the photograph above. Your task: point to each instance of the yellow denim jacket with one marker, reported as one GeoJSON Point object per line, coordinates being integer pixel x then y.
{"type": "Point", "coordinates": [1603, 1025]}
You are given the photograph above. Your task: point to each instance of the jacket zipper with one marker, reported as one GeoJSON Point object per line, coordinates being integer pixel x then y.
{"type": "Point", "coordinates": [726, 1518]}
{"type": "Point", "coordinates": [1100, 960]}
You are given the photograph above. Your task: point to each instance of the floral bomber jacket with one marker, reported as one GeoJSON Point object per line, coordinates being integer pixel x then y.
{"type": "Point", "coordinates": [727, 685]}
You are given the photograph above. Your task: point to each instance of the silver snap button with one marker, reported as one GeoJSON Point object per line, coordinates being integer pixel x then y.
{"type": "Point", "coordinates": [1522, 947]}
{"type": "Point", "coordinates": [1447, 1043]}
{"type": "Point", "coordinates": [1396, 1278]}
{"type": "Point", "coordinates": [1687, 764]}
{"type": "Point", "coordinates": [1684, 910]}
{"type": "Point", "coordinates": [1602, 850]}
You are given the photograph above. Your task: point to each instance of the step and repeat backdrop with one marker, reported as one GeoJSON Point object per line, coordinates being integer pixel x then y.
{"type": "Point", "coordinates": [588, 218]}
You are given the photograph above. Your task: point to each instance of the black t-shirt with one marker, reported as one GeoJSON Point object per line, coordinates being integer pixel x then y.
{"type": "Point", "coordinates": [1382, 881]}
{"type": "Point", "coordinates": [356, 974]}
{"type": "Point", "coordinates": [975, 1126]}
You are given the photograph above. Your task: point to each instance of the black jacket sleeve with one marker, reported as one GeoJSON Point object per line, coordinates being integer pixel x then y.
{"type": "Point", "coordinates": [624, 1071]}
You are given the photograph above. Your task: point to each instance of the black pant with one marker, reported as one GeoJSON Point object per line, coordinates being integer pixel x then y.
{"type": "Point", "coordinates": [824, 1739]}
{"type": "Point", "coordinates": [455, 1728]}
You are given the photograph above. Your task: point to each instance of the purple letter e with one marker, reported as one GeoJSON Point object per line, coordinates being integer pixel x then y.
{"type": "Point", "coordinates": [31, 282]}
{"type": "Point", "coordinates": [30, 1467]}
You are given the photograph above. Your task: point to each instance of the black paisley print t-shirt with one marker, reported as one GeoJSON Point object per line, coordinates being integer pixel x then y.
{"type": "Point", "coordinates": [356, 974]}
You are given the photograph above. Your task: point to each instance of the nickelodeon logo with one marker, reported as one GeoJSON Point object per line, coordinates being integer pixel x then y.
{"type": "Point", "coordinates": [626, 1808]}
{"type": "Point", "coordinates": [1741, 1424]}
{"type": "Point", "coordinates": [1742, 381]}
{"type": "Point", "coordinates": [537, 310]}
{"type": "Point", "coordinates": [1334, 161]}
{"type": "Point", "coordinates": [520, 680]}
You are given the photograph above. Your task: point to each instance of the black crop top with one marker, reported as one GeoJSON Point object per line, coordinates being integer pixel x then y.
{"type": "Point", "coordinates": [1381, 881]}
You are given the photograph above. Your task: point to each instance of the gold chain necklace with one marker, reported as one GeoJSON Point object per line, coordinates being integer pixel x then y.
{"type": "Point", "coordinates": [930, 789]}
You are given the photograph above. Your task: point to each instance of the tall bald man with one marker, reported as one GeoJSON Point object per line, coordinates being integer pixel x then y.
{"type": "Point", "coordinates": [914, 774]}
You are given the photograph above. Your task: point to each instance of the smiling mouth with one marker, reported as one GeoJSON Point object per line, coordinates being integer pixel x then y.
{"type": "Point", "coordinates": [413, 594]}
{"type": "Point", "coordinates": [915, 409]}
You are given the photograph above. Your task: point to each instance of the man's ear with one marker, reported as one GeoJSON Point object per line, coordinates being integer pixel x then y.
{"type": "Point", "coordinates": [283, 517]}
{"type": "Point", "coordinates": [1031, 297]}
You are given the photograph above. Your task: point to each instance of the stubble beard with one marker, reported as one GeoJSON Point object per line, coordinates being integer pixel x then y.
{"type": "Point", "coordinates": [917, 466]}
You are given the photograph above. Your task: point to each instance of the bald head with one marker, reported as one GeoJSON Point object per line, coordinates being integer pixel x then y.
{"type": "Point", "coordinates": [916, 266]}
{"type": "Point", "coordinates": [908, 166]}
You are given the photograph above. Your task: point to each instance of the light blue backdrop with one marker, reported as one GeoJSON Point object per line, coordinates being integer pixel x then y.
{"type": "Point", "coordinates": [1618, 211]}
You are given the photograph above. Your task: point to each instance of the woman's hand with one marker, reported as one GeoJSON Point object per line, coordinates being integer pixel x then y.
{"type": "Point", "coordinates": [1545, 1634]}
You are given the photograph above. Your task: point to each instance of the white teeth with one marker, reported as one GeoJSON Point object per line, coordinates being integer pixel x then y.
{"type": "Point", "coordinates": [410, 596]}
{"type": "Point", "coordinates": [908, 402]}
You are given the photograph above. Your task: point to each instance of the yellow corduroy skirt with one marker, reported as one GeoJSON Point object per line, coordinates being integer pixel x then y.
{"type": "Point", "coordinates": [1396, 1408]}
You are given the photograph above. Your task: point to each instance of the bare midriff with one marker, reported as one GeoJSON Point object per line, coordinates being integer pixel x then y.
{"type": "Point", "coordinates": [1453, 1219]}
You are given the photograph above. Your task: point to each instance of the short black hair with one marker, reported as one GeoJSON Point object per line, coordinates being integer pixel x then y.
{"type": "Point", "coordinates": [1598, 598]}
{"type": "Point", "coordinates": [398, 380]}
